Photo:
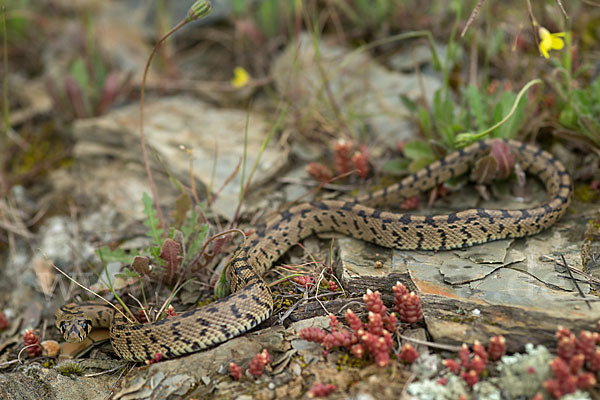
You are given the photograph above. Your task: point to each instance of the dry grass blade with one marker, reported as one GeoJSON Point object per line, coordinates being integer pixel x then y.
{"type": "Point", "coordinates": [92, 292]}
{"type": "Point", "coordinates": [574, 280]}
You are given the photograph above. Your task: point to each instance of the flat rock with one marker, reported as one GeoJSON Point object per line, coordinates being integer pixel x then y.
{"type": "Point", "coordinates": [189, 136]}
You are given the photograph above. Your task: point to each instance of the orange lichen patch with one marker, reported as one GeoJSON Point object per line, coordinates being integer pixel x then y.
{"type": "Point", "coordinates": [425, 287]}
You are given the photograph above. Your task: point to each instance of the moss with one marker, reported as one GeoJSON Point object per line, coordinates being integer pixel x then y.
{"type": "Point", "coordinates": [207, 301]}
{"type": "Point", "coordinates": [346, 360]}
{"type": "Point", "coordinates": [44, 144]}
{"type": "Point", "coordinates": [460, 319]}
{"type": "Point", "coordinates": [70, 368]}
{"type": "Point", "coordinates": [586, 194]}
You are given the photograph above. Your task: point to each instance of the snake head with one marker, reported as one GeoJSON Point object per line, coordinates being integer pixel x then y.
{"type": "Point", "coordinates": [75, 330]}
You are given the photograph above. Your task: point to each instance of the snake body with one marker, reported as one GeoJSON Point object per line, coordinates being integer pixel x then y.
{"type": "Point", "coordinates": [251, 302]}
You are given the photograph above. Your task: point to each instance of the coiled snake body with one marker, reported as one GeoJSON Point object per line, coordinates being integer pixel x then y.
{"type": "Point", "coordinates": [251, 302]}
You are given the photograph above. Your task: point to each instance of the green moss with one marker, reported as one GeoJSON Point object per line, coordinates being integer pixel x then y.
{"type": "Point", "coordinates": [347, 360]}
{"type": "Point", "coordinates": [460, 319]}
{"type": "Point", "coordinates": [586, 194]}
{"type": "Point", "coordinates": [69, 368]}
{"type": "Point", "coordinates": [207, 301]}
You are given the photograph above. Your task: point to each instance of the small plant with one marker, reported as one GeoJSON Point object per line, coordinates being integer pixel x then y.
{"type": "Point", "coordinates": [258, 363]}
{"type": "Point", "coordinates": [577, 362]}
{"type": "Point", "coordinates": [265, 19]}
{"type": "Point", "coordinates": [473, 363]}
{"type": "Point", "coordinates": [374, 337]}
{"type": "Point", "coordinates": [581, 112]}
{"type": "Point", "coordinates": [256, 366]}
{"type": "Point", "coordinates": [321, 390]}
{"type": "Point", "coordinates": [349, 159]}
{"type": "Point", "coordinates": [575, 355]}
{"type": "Point", "coordinates": [579, 103]}
{"type": "Point", "coordinates": [89, 85]}
{"type": "Point", "coordinates": [70, 368]}
{"type": "Point", "coordinates": [235, 371]}
{"type": "Point", "coordinates": [173, 254]}
{"type": "Point", "coordinates": [488, 111]}
{"type": "Point", "coordinates": [31, 341]}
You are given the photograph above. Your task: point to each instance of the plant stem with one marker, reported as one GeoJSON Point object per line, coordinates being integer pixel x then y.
{"type": "Point", "coordinates": [142, 136]}
{"type": "Point", "coordinates": [199, 9]}
{"type": "Point", "coordinates": [465, 138]}
{"type": "Point", "coordinates": [4, 185]}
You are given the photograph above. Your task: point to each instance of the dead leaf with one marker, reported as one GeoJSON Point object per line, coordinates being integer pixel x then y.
{"type": "Point", "coordinates": [484, 170]}
{"type": "Point", "coordinates": [45, 274]}
{"type": "Point", "coordinates": [141, 265]}
{"type": "Point", "coordinates": [170, 252]}
{"type": "Point", "coordinates": [183, 204]}
{"type": "Point", "coordinates": [501, 153]}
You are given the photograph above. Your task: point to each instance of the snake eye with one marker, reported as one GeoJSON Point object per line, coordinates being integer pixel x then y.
{"type": "Point", "coordinates": [87, 325]}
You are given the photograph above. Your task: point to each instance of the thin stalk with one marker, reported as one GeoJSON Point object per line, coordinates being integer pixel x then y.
{"type": "Point", "coordinates": [4, 184]}
{"type": "Point", "coordinates": [6, 108]}
{"type": "Point", "coordinates": [244, 157]}
{"type": "Point", "coordinates": [142, 136]}
{"type": "Point", "coordinates": [92, 292]}
{"type": "Point", "coordinates": [465, 138]}
{"type": "Point", "coordinates": [282, 113]}
{"type": "Point", "coordinates": [199, 9]}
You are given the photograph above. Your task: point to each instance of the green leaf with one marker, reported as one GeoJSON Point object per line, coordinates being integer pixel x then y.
{"type": "Point", "coordinates": [269, 17]}
{"type": "Point", "coordinates": [477, 104]}
{"type": "Point", "coordinates": [448, 132]}
{"type": "Point", "coordinates": [395, 166]}
{"type": "Point", "coordinates": [425, 122]}
{"type": "Point", "coordinates": [194, 235]}
{"type": "Point", "coordinates": [196, 245]}
{"type": "Point", "coordinates": [127, 273]}
{"type": "Point", "coordinates": [568, 118]}
{"type": "Point", "coordinates": [510, 128]}
{"type": "Point", "coordinates": [408, 103]}
{"type": "Point", "coordinates": [152, 221]}
{"type": "Point", "coordinates": [417, 149]}
{"type": "Point", "coordinates": [108, 255]}
{"type": "Point", "coordinates": [183, 204]}
{"type": "Point", "coordinates": [420, 163]}
{"type": "Point", "coordinates": [582, 102]}
{"type": "Point", "coordinates": [100, 71]}
{"type": "Point", "coordinates": [239, 7]}
{"type": "Point", "coordinates": [189, 226]}
{"type": "Point", "coordinates": [443, 116]}
{"type": "Point", "coordinates": [221, 287]}
{"type": "Point", "coordinates": [154, 252]}
{"type": "Point", "coordinates": [80, 73]}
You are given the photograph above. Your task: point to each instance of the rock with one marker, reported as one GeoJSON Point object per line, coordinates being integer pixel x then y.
{"type": "Point", "coordinates": [111, 143]}
{"type": "Point", "coordinates": [46, 383]}
{"type": "Point", "coordinates": [360, 86]}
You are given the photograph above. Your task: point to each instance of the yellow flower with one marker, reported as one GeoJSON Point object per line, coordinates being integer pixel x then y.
{"type": "Point", "coordinates": [550, 41]}
{"type": "Point", "coordinates": [241, 77]}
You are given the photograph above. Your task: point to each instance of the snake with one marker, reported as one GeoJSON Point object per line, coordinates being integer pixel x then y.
{"type": "Point", "coordinates": [251, 302]}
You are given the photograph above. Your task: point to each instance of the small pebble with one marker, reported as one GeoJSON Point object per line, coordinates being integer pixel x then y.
{"type": "Point", "coordinates": [51, 348]}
